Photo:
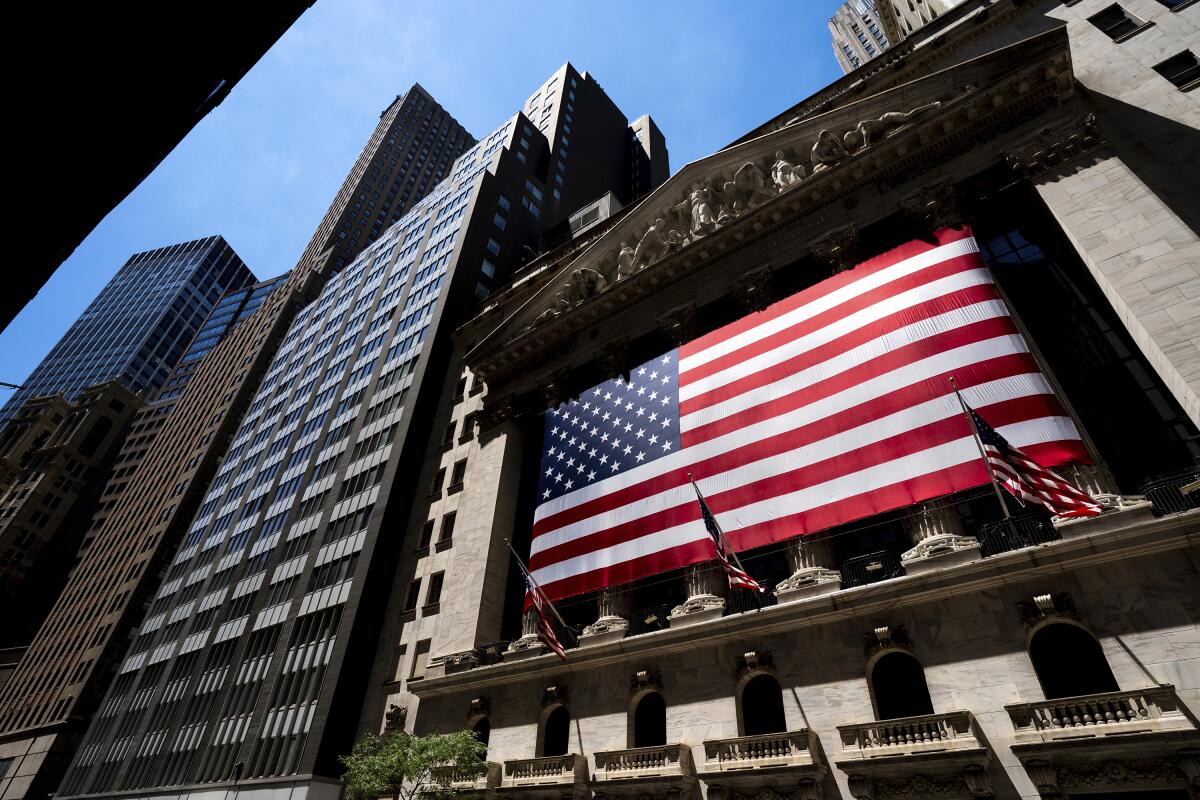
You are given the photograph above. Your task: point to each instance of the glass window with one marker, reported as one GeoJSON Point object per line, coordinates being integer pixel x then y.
{"type": "Point", "coordinates": [499, 221]}
{"type": "Point", "coordinates": [488, 268]}
{"type": "Point", "coordinates": [502, 201]}
{"type": "Point", "coordinates": [493, 247]}
{"type": "Point", "coordinates": [1181, 70]}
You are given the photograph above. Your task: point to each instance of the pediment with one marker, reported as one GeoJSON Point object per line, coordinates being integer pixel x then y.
{"type": "Point", "coordinates": [732, 192]}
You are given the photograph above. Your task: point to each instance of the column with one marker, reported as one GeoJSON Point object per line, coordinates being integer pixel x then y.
{"type": "Point", "coordinates": [612, 622]}
{"type": "Point", "coordinates": [938, 538]}
{"type": "Point", "coordinates": [813, 569]}
{"type": "Point", "coordinates": [706, 586]}
{"type": "Point", "coordinates": [529, 644]}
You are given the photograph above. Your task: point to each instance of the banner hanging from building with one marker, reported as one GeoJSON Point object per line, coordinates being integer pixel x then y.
{"type": "Point", "coordinates": [829, 406]}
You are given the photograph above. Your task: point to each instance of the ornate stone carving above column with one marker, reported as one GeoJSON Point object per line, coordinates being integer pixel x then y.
{"type": "Point", "coordinates": [935, 207]}
{"type": "Point", "coordinates": [615, 358]}
{"type": "Point", "coordinates": [612, 622]}
{"type": "Point", "coordinates": [555, 390]}
{"type": "Point", "coordinates": [679, 326]}
{"type": "Point", "coordinates": [706, 585]}
{"type": "Point", "coordinates": [813, 565]}
{"type": "Point", "coordinates": [1053, 146]}
{"type": "Point", "coordinates": [756, 291]}
{"type": "Point", "coordinates": [838, 249]}
{"type": "Point", "coordinates": [529, 645]}
{"type": "Point", "coordinates": [938, 537]}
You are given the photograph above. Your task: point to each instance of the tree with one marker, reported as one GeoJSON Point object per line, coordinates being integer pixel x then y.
{"type": "Point", "coordinates": [408, 767]}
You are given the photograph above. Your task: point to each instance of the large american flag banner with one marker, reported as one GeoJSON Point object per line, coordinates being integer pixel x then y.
{"type": "Point", "coordinates": [827, 407]}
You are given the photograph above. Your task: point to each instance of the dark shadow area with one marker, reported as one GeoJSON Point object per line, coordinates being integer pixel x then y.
{"type": "Point", "coordinates": [762, 707]}
{"type": "Point", "coordinates": [1069, 662]}
{"type": "Point", "coordinates": [898, 683]}
{"type": "Point", "coordinates": [650, 721]}
{"type": "Point", "coordinates": [557, 732]}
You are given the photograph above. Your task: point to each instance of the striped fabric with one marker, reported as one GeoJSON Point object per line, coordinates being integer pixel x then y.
{"type": "Point", "coordinates": [827, 407]}
{"type": "Point", "coordinates": [536, 600]}
{"type": "Point", "coordinates": [738, 578]}
{"type": "Point", "coordinates": [1029, 481]}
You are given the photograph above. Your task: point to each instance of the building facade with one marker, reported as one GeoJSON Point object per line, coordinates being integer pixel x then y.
{"type": "Point", "coordinates": [172, 453]}
{"type": "Point", "coordinates": [137, 328]}
{"type": "Point", "coordinates": [931, 651]}
{"type": "Point", "coordinates": [858, 35]}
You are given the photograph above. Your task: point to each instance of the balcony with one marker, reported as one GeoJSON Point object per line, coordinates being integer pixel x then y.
{"type": "Point", "coordinates": [936, 747]}
{"type": "Point", "coordinates": [548, 777]}
{"type": "Point", "coordinates": [871, 568]}
{"type": "Point", "coordinates": [1174, 492]}
{"type": "Point", "coordinates": [478, 781]}
{"type": "Point", "coordinates": [1019, 532]}
{"type": "Point", "coordinates": [1097, 716]}
{"type": "Point", "coordinates": [780, 762]}
{"type": "Point", "coordinates": [641, 771]}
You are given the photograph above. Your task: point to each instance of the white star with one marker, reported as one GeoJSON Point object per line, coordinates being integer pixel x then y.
{"type": "Point", "coordinates": [570, 462]}
{"type": "Point", "coordinates": [641, 390]}
{"type": "Point", "coordinates": [654, 374]}
{"type": "Point", "coordinates": [586, 406]}
{"type": "Point", "coordinates": [666, 378]}
{"type": "Point", "coordinates": [641, 456]}
{"type": "Point", "coordinates": [596, 410]}
{"type": "Point", "coordinates": [559, 456]}
{"type": "Point", "coordinates": [641, 370]}
{"type": "Point", "coordinates": [546, 494]}
{"type": "Point", "coordinates": [572, 441]}
{"type": "Point", "coordinates": [654, 416]}
{"type": "Point", "coordinates": [628, 427]}
{"type": "Point", "coordinates": [592, 454]}
{"type": "Point", "coordinates": [606, 416]}
{"type": "Point", "coordinates": [604, 459]}
{"type": "Point", "coordinates": [562, 435]}
{"type": "Point", "coordinates": [665, 400]}
{"type": "Point", "coordinates": [553, 450]}
{"type": "Point", "coordinates": [654, 439]}
{"type": "Point", "coordinates": [654, 395]}
{"type": "Point", "coordinates": [665, 360]}
{"type": "Point", "coordinates": [620, 380]}
{"type": "Point", "coordinates": [592, 475]}
{"type": "Point", "coordinates": [575, 421]}
{"type": "Point", "coordinates": [614, 466]}
{"type": "Point", "coordinates": [583, 445]}
{"type": "Point", "coordinates": [641, 411]}
{"type": "Point", "coordinates": [604, 437]}
{"type": "Point", "coordinates": [628, 449]}
{"type": "Point", "coordinates": [558, 478]}
{"type": "Point", "coordinates": [607, 395]}
{"type": "Point", "coordinates": [597, 392]}
{"type": "Point", "coordinates": [593, 431]}
{"type": "Point", "coordinates": [574, 402]}
{"type": "Point", "coordinates": [641, 432]}
{"type": "Point", "coordinates": [666, 423]}
{"type": "Point", "coordinates": [617, 421]}
{"type": "Point", "coordinates": [667, 445]}
{"type": "Point", "coordinates": [549, 471]}
{"type": "Point", "coordinates": [554, 430]}
{"type": "Point", "coordinates": [579, 469]}
{"type": "Point", "coordinates": [629, 406]}
{"type": "Point", "coordinates": [616, 442]}
{"type": "Point", "coordinates": [568, 485]}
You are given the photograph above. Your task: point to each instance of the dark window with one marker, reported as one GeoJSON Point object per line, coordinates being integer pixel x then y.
{"type": "Point", "coordinates": [420, 661]}
{"type": "Point", "coordinates": [448, 437]}
{"type": "Point", "coordinates": [556, 732]}
{"type": "Point", "coordinates": [899, 686]}
{"type": "Point", "coordinates": [447, 533]}
{"type": "Point", "coordinates": [1115, 21]}
{"type": "Point", "coordinates": [483, 730]}
{"type": "Point", "coordinates": [762, 707]}
{"type": "Point", "coordinates": [439, 480]}
{"type": "Point", "coordinates": [426, 535]}
{"type": "Point", "coordinates": [650, 721]}
{"type": "Point", "coordinates": [414, 594]}
{"type": "Point", "coordinates": [1069, 662]}
{"type": "Point", "coordinates": [460, 472]}
{"type": "Point", "coordinates": [1182, 69]}
{"type": "Point", "coordinates": [434, 595]}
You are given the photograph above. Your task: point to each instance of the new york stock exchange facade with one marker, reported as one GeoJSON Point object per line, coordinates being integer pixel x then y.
{"type": "Point", "coordinates": [929, 649]}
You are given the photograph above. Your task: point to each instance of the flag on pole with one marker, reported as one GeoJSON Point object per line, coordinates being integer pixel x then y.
{"type": "Point", "coordinates": [1027, 480]}
{"type": "Point", "coordinates": [738, 577]}
{"type": "Point", "coordinates": [537, 601]}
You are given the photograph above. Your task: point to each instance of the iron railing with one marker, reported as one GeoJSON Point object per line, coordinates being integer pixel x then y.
{"type": "Point", "coordinates": [648, 620]}
{"type": "Point", "coordinates": [740, 601]}
{"type": "Point", "coordinates": [1015, 533]}
{"type": "Point", "coordinates": [1166, 492]}
{"type": "Point", "coordinates": [871, 568]}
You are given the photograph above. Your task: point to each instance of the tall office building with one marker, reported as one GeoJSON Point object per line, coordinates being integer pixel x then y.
{"type": "Point", "coordinates": [858, 34]}
{"type": "Point", "coordinates": [251, 664]}
{"type": "Point", "coordinates": [136, 329]}
{"type": "Point", "coordinates": [170, 458]}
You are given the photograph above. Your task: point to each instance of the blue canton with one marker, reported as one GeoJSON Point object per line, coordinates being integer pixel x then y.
{"type": "Point", "coordinates": [611, 428]}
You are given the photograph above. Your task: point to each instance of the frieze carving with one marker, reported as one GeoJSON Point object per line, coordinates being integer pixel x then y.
{"type": "Point", "coordinates": [1047, 605]}
{"type": "Point", "coordinates": [1053, 147]}
{"type": "Point", "coordinates": [1052, 780]}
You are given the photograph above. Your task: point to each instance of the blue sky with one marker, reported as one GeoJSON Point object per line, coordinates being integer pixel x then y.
{"type": "Point", "coordinates": [261, 169]}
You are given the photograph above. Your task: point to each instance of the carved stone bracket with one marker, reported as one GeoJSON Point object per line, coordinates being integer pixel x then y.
{"type": "Point", "coordinates": [756, 291]}
{"type": "Point", "coordinates": [394, 718]}
{"type": "Point", "coordinates": [1047, 605]}
{"type": "Point", "coordinates": [753, 661]}
{"type": "Point", "coordinates": [679, 326]}
{"type": "Point", "coordinates": [554, 695]}
{"type": "Point", "coordinates": [935, 207]}
{"type": "Point", "coordinates": [645, 679]}
{"type": "Point", "coordinates": [883, 637]}
{"type": "Point", "coordinates": [1053, 147]}
{"type": "Point", "coordinates": [837, 250]}
{"type": "Point", "coordinates": [480, 707]}
{"type": "Point", "coordinates": [705, 587]}
{"type": "Point", "coordinates": [1059, 780]}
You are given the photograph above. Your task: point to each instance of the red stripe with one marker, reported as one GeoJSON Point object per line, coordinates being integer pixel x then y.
{"type": "Point", "coordinates": [868, 267]}
{"type": "Point", "coordinates": [902, 444]}
{"type": "Point", "coordinates": [864, 413]}
{"type": "Point", "coordinates": [843, 381]}
{"type": "Point", "coordinates": [629, 571]}
{"type": "Point", "coordinates": [906, 316]}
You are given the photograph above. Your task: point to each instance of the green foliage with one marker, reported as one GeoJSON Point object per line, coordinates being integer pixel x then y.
{"type": "Point", "coordinates": [405, 766]}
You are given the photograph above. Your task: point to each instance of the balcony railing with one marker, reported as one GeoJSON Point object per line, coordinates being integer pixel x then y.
{"type": "Point", "coordinates": [1025, 530]}
{"type": "Point", "coordinates": [1097, 715]}
{"type": "Point", "coordinates": [549, 770]}
{"type": "Point", "coordinates": [954, 730]}
{"type": "Point", "coordinates": [648, 620]}
{"type": "Point", "coordinates": [482, 776]}
{"type": "Point", "coordinates": [792, 748]}
{"type": "Point", "coordinates": [871, 568]}
{"type": "Point", "coordinates": [1166, 495]}
{"type": "Point", "coordinates": [640, 762]}
{"type": "Point", "coordinates": [741, 601]}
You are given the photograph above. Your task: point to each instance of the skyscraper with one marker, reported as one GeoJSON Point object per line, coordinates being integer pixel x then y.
{"type": "Point", "coordinates": [136, 329]}
{"type": "Point", "coordinates": [858, 34]}
{"type": "Point", "coordinates": [290, 554]}
{"type": "Point", "coordinates": [173, 453]}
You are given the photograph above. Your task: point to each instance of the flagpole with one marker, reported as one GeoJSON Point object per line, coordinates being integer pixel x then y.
{"type": "Point", "coordinates": [725, 542]}
{"type": "Point", "coordinates": [982, 453]}
{"type": "Point", "coordinates": [536, 585]}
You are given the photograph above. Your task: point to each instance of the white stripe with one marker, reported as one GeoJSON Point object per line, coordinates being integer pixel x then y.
{"type": "Point", "coordinates": [835, 298]}
{"type": "Point", "coordinates": [942, 457]}
{"type": "Point", "coordinates": [933, 367]}
{"type": "Point", "coordinates": [839, 444]}
{"type": "Point", "coordinates": [848, 360]}
{"type": "Point", "coordinates": [859, 319]}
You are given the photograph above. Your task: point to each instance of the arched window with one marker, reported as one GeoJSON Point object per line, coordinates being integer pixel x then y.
{"type": "Point", "coordinates": [1069, 662]}
{"type": "Point", "coordinates": [898, 684]}
{"type": "Point", "coordinates": [762, 706]}
{"type": "Point", "coordinates": [556, 732]}
{"type": "Point", "coordinates": [650, 721]}
{"type": "Point", "coordinates": [482, 730]}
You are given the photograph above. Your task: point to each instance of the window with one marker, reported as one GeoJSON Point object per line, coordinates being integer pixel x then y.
{"type": "Point", "coordinates": [499, 221]}
{"type": "Point", "coordinates": [1069, 662]}
{"type": "Point", "coordinates": [426, 535]}
{"type": "Point", "coordinates": [414, 594]}
{"type": "Point", "coordinates": [502, 201]}
{"type": "Point", "coordinates": [1182, 69]}
{"type": "Point", "coordinates": [482, 730]}
{"type": "Point", "coordinates": [468, 428]}
{"type": "Point", "coordinates": [761, 706]}
{"type": "Point", "coordinates": [420, 660]}
{"type": "Point", "coordinates": [898, 686]}
{"type": "Point", "coordinates": [488, 268]}
{"type": "Point", "coordinates": [556, 732]}
{"type": "Point", "coordinates": [461, 388]}
{"type": "Point", "coordinates": [448, 436]}
{"type": "Point", "coordinates": [459, 474]}
{"type": "Point", "coordinates": [447, 533]}
{"type": "Point", "coordinates": [1116, 22]}
{"type": "Point", "coordinates": [439, 480]}
{"type": "Point", "coordinates": [434, 595]}
{"type": "Point", "coordinates": [493, 247]}
{"type": "Point", "coordinates": [649, 727]}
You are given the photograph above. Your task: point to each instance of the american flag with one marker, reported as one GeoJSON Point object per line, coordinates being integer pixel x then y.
{"type": "Point", "coordinates": [829, 406]}
{"type": "Point", "coordinates": [738, 578]}
{"type": "Point", "coordinates": [1027, 480]}
{"type": "Point", "coordinates": [535, 599]}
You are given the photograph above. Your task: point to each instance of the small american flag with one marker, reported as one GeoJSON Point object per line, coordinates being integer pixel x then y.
{"type": "Point", "coordinates": [738, 578]}
{"type": "Point", "coordinates": [537, 601]}
{"type": "Point", "coordinates": [1027, 480]}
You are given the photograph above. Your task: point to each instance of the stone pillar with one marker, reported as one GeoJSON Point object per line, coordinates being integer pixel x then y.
{"type": "Point", "coordinates": [1098, 483]}
{"type": "Point", "coordinates": [813, 569]}
{"type": "Point", "coordinates": [613, 619]}
{"type": "Point", "coordinates": [529, 644]}
{"type": "Point", "coordinates": [938, 538]}
{"type": "Point", "coordinates": [706, 585]}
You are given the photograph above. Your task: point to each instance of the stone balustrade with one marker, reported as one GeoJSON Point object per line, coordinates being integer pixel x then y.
{"type": "Point", "coordinates": [791, 748]}
{"type": "Point", "coordinates": [666, 759]}
{"type": "Point", "coordinates": [482, 776]}
{"type": "Point", "coordinates": [954, 730]}
{"type": "Point", "coordinates": [546, 771]}
{"type": "Point", "coordinates": [1095, 715]}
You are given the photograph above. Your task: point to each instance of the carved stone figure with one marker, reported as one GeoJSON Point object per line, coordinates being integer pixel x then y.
{"type": "Point", "coordinates": [584, 283]}
{"type": "Point", "coordinates": [751, 185]}
{"type": "Point", "coordinates": [625, 261]}
{"type": "Point", "coordinates": [870, 131]}
{"type": "Point", "coordinates": [827, 151]}
{"type": "Point", "coordinates": [784, 174]}
{"type": "Point", "coordinates": [654, 244]}
{"type": "Point", "coordinates": [702, 214]}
